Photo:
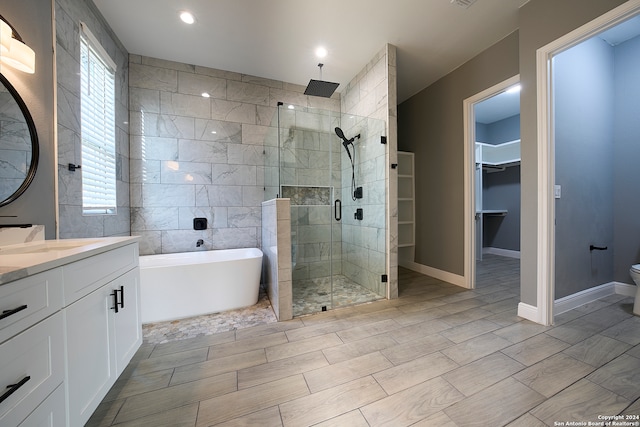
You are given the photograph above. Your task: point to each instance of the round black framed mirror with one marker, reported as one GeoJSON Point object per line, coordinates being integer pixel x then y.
{"type": "Point", "coordinates": [19, 149]}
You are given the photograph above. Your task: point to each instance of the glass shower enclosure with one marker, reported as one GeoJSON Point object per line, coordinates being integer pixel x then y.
{"type": "Point", "coordinates": [337, 191]}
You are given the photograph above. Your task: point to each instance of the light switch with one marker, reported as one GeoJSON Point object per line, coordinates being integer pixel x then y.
{"type": "Point", "coordinates": [557, 191]}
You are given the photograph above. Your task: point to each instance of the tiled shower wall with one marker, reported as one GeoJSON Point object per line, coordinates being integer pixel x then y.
{"type": "Point", "coordinates": [372, 93]}
{"type": "Point", "coordinates": [193, 156]}
{"type": "Point", "coordinates": [364, 241]}
{"type": "Point", "coordinates": [72, 223]}
{"type": "Point", "coordinates": [309, 148]}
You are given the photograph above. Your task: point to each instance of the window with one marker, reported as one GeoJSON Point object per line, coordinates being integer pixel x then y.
{"type": "Point", "coordinates": [97, 127]}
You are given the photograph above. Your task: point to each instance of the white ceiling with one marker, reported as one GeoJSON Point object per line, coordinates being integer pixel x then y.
{"type": "Point", "coordinates": [276, 39]}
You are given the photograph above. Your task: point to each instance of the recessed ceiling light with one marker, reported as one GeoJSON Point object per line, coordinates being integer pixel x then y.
{"type": "Point", "coordinates": [213, 132]}
{"type": "Point", "coordinates": [205, 95]}
{"type": "Point", "coordinates": [321, 52]}
{"type": "Point", "coordinates": [187, 17]}
{"type": "Point", "coordinates": [291, 107]}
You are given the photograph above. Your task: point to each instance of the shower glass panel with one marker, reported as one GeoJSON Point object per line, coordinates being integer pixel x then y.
{"type": "Point", "coordinates": [338, 259]}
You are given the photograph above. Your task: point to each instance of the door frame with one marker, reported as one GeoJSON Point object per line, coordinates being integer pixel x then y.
{"type": "Point", "coordinates": [546, 152]}
{"type": "Point", "coordinates": [469, 175]}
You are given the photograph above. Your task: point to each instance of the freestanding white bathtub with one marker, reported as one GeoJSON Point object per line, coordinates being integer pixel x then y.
{"type": "Point", "coordinates": [174, 286]}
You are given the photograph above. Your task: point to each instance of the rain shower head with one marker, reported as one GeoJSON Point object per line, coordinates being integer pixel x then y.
{"type": "Point", "coordinates": [321, 87]}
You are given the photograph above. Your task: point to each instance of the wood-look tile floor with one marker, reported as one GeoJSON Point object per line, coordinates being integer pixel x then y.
{"type": "Point", "coordinates": [437, 356]}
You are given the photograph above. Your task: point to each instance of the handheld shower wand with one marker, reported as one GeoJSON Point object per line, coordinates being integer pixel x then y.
{"type": "Point", "coordinates": [345, 143]}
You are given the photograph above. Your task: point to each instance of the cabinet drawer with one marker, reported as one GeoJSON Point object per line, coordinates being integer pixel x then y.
{"type": "Point", "coordinates": [40, 293]}
{"type": "Point", "coordinates": [85, 276]}
{"type": "Point", "coordinates": [37, 353]}
{"type": "Point", "coordinates": [50, 413]}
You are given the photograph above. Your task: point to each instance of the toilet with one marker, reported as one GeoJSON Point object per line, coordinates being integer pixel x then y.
{"type": "Point", "coordinates": [635, 275]}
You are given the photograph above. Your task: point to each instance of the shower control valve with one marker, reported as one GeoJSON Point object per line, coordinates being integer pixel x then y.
{"type": "Point", "coordinates": [357, 194]}
{"type": "Point", "coordinates": [358, 214]}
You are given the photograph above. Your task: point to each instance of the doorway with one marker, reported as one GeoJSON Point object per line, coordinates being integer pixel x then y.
{"type": "Point", "coordinates": [492, 158]}
{"type": "Point", "coordinates": [553, 194]}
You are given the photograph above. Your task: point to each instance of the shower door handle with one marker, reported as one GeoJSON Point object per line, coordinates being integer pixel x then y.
{"type": "Point", "coordinates": [337, 210]}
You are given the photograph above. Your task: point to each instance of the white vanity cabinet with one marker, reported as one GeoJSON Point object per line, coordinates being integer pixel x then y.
{"type": "Point", "coordinates": [69, 325]}
{"type": "Point", "coordinates": [103, 327]}
{"type": "Point", "coordinates": [32, 344]}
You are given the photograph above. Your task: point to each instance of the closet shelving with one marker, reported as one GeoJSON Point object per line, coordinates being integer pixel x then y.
{"type": "Point", "coordinates": [492, 158]}
{"type": "Point", "coordinates": [498, 156]}
{"type": "Point", "coordinates": [406, 206]}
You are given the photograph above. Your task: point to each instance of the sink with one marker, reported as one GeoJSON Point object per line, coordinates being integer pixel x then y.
{"type": "Point", "coordinates": [45, 246]}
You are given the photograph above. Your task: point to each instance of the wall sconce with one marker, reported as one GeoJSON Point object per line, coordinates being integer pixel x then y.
{"type": "Point", "coordinates": [13, 51]}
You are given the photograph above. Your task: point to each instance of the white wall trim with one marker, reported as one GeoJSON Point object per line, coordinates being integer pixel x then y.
{"type": "Point", "coordinates": [570, 302]}
{"type": "Point", "coordinates": [469, 277]}
{"type": "Point", "coordinates": [445, 276]}
{"type": "Point", "coordinates": [545, 252]}
{"type": "Point", "coordinates": [528, 312]}
{"type": "Point", "coordinates": [564, 304]}
{"type": "Point", "coordinates": [502, 252]}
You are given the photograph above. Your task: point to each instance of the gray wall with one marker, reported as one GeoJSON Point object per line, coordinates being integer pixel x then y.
{"type": "Point", "coordinates": [430, 124]}
{"type": "Point", "coordinates": [626, 193]}
{"type": "Point", "coordinates": [504, 130]}
{"type": "Point", "coordinates": [583, 100]}
{"type": "Point", "coordinates": [73, 223]}
{"type": "Point", "coordinates": [33, 21]}
{"type": "Point", "coordinates": [541, 22]}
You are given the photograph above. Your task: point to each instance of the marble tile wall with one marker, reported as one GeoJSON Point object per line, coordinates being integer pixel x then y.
{"type": "Point", "coordinates": [364, 241]}
{"type": "Point", "coordinates": [68, 15]}
{"type": "Point", "coordinates": [372, 94]}
{"type": "Point", "coordinates": [276, 247]}
{"type": "Point", "coordinates": [310, 172]}
{"type": "Point", "coordinates": [193, 156]}
{"type": "Point", "coordinates": [317, 242]}
{"type": "Point", "coordinates": [313, 231]}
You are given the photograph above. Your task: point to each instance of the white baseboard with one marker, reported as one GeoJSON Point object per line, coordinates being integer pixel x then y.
{"type": "Point", "coordinates": [528, 312]}
{"type": "Point", "coordinates": [502, 252]}
{"type": "Point", "coordinates": [445, 276]}
{"type": "Point", "coordinates": [570, 302]}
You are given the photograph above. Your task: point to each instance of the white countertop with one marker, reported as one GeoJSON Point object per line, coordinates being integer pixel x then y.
{"type": "Point", "coordinates": [15, 265]}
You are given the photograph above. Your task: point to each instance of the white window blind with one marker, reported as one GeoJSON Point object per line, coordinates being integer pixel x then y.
{"type": "Point", "coordinates": [97, 127]}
